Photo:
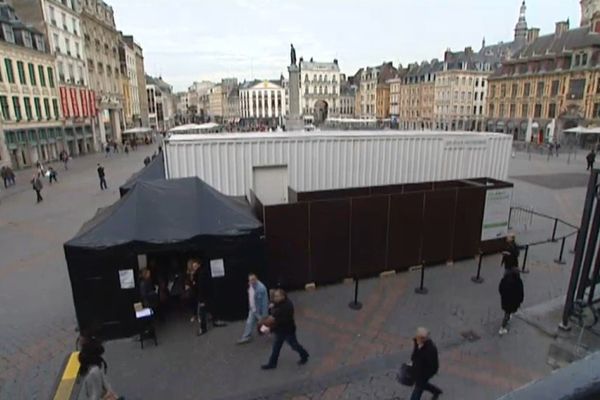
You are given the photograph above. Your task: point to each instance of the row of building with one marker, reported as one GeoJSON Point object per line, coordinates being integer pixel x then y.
{"type": "Point", "coordinates": [69, 80]}
{"type": "Point", "coordinates": [530, 80]}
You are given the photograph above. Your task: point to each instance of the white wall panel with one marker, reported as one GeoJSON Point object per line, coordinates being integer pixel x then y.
{"type": "Point", "coordinates": [332, 160]}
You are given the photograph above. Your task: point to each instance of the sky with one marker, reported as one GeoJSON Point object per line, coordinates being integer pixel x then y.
{"type": "Point", "coordinates": [194, 40]}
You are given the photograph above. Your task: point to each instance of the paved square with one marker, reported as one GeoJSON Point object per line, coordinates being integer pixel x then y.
{"type": "Point", "coordinates": [557, 181]}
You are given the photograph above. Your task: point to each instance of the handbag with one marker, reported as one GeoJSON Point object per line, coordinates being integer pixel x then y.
{"type": "Point", "coordinates": [405, 376]}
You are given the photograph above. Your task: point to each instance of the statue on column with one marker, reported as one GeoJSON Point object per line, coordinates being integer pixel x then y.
{"type": "Point", "coordinates": [292, 55]}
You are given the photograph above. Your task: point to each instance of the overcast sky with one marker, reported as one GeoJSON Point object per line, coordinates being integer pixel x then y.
{"type": "Point", "coordinates": [194, 40]}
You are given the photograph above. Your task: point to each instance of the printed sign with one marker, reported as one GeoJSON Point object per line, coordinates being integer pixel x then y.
{"type": "Point", "coordinates": [217, 268]}
{"type": "Point", "coordinates": [496, 214]}
{"type": "Point", "coordinates": [142, 261]}
{"type": "Point", "coordinates": [126, 278]}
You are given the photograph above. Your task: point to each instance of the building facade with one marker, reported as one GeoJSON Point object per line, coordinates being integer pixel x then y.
{"type": "Point", "coordinates": [161, 104]}
{"type": "Point", "coordinates": [554, 77]}
{"type": "Point", "coordinates": [31, 127]}
{"type": "Point", "coordinates": [262, 103]}
{"type": "Point", "coordinates": [101, 47]}
{"type": "Point", "coordinates": [371, 81]}
{"type": "Point", "coordinates": [416, 95]}
{"type": "Point", "coordinates": [320, 89]}
{"type": "Point", "coordinates": [60, 22]}
{"type": "Point", "coordinates": [347, 100]}
{"type": "Point", "coordinates": [129, 81]}
{"type": "Point", "coordinates": [140, 73]}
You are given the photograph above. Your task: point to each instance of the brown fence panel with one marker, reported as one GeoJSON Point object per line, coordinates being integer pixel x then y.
{"type": "Point", "coordinates": [333, 194]}
{"type": "Point", "coordinates": [287, 245]}
{"type": "Point", "coordinates": [330, 240]}
{"type": "Point", "coordinates": [369, 217]}
{"type": "Point", "coordinates": [389, 189]}
{"type": "Point", "coordinates": [406, 230]}
{"type": "Point", "coordinates": [418, 187]}
{"type": "Point", "coordinates": [438, 226]}
{"type": "Point", "coordinates": [469, 215]}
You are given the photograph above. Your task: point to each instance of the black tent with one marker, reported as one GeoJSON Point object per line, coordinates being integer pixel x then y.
{"type": "Point", "coordinates": [180, 217]}
{"type": "Point", "coordinates": [151, 172]}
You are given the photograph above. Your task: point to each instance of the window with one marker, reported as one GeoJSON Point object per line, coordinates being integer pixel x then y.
{"type": "Point", "coordinates": [556, 85]}
{"type": "Point", "coordinates": [32, 79]}
{"type": "Point", "coordinates": [527, 89]}
{"type": "Point", "coordinates": [27, 103]}
{"type": "Point", "coordinates": [27, 39]}
{"type": "Point", "coordinates": [584, 60]}
{"type": "Point", "coordinates": [39, 43]}
{"type": "Point", "coordinates": [38, 108]}
{"type": "Point", "coordinates": [492, 110]}
{"type": "Point", "coordinates": [576, 89]}
{"type": "Point", "coordinates": [552, 110]}
{"type": "Point", "coordinates": [47, 109]}
{"type": "Point", "coordinates": [17, 108]}
{"type": "Point", "coordinates": [71, 73]}
{"type": "Point", "coordinates": [596, 112]}
{"type": "Point", "coordinates": [50, 77]}
{"type": "Point", "coordinates": [512, 111]}
{"type": "Point", "coordinates": [77, 53]}
{"type": "Point", "coordinates": [540, 89]}
{"type": "Point", "coordinates": [10, 74]}
{"type": "Point", "coordinates": [52, 16]}
{"type": "Point", "coordinates": [501, 111]}
{"type": "Point", "coordinates": [55, 107]}
{"type": "Point", "coordinates": [9, 35]}
{"type": "Point", "coordinates": [21, 72]}
{"type": "Point", "coordinates": [61, 71]}
{"type": "Point", "coordinates": [537, 112]}
{"type": "Point", "coordinates": [42, 75]}
{"type": "Point", "coordinates": [68, 46]}
{"type": "Point", "coordinates": [493, 91]}
{"type": "Point", "coordinates": [503, 90]}
{"type": "Point", "coordinates": [4, 108]}
{"type": "Point", "coordinates": [525, 111]}
{"type": "Point", "coordinates": [514, 90]}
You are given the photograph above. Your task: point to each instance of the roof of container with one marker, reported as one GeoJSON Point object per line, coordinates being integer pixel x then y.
{"type": "Point", "coordinates": [327, 135]}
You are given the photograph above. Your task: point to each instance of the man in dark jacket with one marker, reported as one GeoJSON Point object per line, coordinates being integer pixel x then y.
{"type": "Point", "coordinates": [37, 186]}
{"type": "Point", "coordinates": [511, 295]}
{"type": "Point", "coordinates": [510, 255]}
{"type": "Point", "coordinates": [200, 295]}
{"type": "Point", "coordinates": [425, 365]}
{"type": "Point", "coordinates": [284, 329]}
{"type": "Point", "coordinates": [102, 177]}
{"type": "Point", "coordinates": [591, 158]}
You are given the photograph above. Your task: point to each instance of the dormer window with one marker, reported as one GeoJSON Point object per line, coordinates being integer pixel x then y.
{"type": "Point", "coordinates": [39, 43]}
{"type": "Point", "coordinates": [9, 35]}
{"type": "Point", "coordinates": [27, 39]}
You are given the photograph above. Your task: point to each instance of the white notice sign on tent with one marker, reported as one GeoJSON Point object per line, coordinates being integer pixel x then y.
{"type": "Point", "coordinates": [496, 214]}
{"type": "Point", "coordinates": [217, 268]}
{"type": "Point", "coordinates": [126, 278]}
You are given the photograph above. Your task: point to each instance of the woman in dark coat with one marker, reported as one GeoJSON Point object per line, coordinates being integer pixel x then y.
{"type": "Point", "coordinates": [511, 295]}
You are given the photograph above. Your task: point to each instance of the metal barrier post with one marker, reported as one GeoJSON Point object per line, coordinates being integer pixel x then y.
{"type": "Point", "coordinates": [560, 260]}
{"type": "Point", "coordinates": [355, 305]}
{"type": "Point", "coordinates": [554, 229]}
{"type": "Point", "coordinates": [523, 269]}
{"type": "Point", "coordinates": [421, 289]}
{"type": "Point", "coordinates": [478, 278]}
{"type": "Point", "coordinates": [509, 216]}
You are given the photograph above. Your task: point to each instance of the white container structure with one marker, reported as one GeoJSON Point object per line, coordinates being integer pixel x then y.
{"type": "Point", "coordinates": [334, 160]}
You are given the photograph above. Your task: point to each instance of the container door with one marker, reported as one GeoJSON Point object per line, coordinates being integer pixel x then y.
{"type": "Point", "coordinates": [270, 184]}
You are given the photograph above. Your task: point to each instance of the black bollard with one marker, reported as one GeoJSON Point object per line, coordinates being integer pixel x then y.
{"type": "Point", "coordinates": [478, 278]}
{"type": "Point", "coordinates": [560, 260]}
{"type": "Point", "coordinates": [355, 305]}
{"type": "Point", "coordinates": [554, 229]}
{"type": "Point", "coordinates": [524, 270]}
{"type": "Point", "coordinates": [422, 289]}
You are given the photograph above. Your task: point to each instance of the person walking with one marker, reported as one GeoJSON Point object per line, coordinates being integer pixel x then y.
{"type": "Point", "coordinates": [102, 177]}
{"type": "Point", "coordinates": [52, 175]}
{"type": "Point", "coordinates": [92, 370]}
{"type": "Point", "coordinates": [107, 150]}
{"type": "Point", "coordinates": [258, 306]}
{"type": "Point", "coordinates": [425, 365]}
{"type": "Point", "coordinates": [284, 328]}
{"type": "Point", "coordinates": [591, 158]}
{"type": "Point", "coordinates": [511, 296]}
{"type": "Point", "coordinates": [11, 176]}
{"type": "Point", "coordinates": [37, 186]}
{"type": "Point", "coordinates": [510, 255]}
{"type": "Point", "coordinates": [199, 289]}
{"type": "Point", "coordinates": [4, 175]}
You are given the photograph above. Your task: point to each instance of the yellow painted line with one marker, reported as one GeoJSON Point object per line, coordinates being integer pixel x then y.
{"type": "Point", "coordinates": [65, 387]}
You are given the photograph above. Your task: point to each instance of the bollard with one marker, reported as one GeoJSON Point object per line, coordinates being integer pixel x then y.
{"type": "Point", "coordinates": [421, 289]}
{"type": "Point", "coordinates": [560, 260]}
{"type": "Point", "coordinates": [478, 278]}
{"type": "Point", "coordinates": [523, 270]}
{"type": "Point", "coordinates": [554, 230]}
{"type": "Point", "coordinates": [355, 305]}
{"type": "Point", "coordinates": [509, 216]}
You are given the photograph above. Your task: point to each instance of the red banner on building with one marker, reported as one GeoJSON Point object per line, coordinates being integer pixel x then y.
{"type": "Point", "coordinates": [74, 103]}
{"type": "Point", "coordinates": [93, 110]}
{"type": "Point", "coordinates": [64, 102]}
{"type": "Point", "coordinates": [84, 102]}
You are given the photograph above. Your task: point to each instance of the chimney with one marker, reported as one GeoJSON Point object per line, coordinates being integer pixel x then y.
{"type": "Point", "coordinates": [469, 50]}
{"type": "Point", "coordinates": [561, 27]}
{"type": "Point", "coordinates": [532, 35]}
{"type": "Point", "coordinates": [335, 61]}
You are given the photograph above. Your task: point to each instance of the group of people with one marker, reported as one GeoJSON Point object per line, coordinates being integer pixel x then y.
{"type": "Point", "coordinates": [8, 176]}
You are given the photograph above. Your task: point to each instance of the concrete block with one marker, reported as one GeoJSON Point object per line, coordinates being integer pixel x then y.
{"type": "Point", "coordinates": [390, 272]}
{"type": "Point", "coordinates": [310, 286]}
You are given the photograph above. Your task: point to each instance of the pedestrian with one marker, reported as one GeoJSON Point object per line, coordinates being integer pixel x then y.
{"type": "Point", "coordinates": [425, 365]}
{"type": "Point", "coordinates": [591, 158]}
{"type": "Point", "coordinates": [37, 186]}
{"type": "Point", "coordinates": [107, 150]}
{"type": "Point", "coordinates": [510, 255]}
{"type": "Point", "coordinates": [198, 285]}
{"type": "Point", "coordinates": [115, 147]}
{"type": "Point", "coordinates": [284, 328]}
{"type": "Point", "coordinates": [126, 148]}
{"type": "Point", "coordinates": [557, 147]}
{"type": "Point", "coordinates": [258, 306]}
{"type": "Point", "coordinates": [11, 176]}
{"type": "Point", "coordinates": [511, 296]}
{"type": "Point", "coordinates": [52, 175]}
{"type": "Point", "coordinates": [64, 157]}
{"type": "Point", "coordinates": [4, 175]}
{"type": "Point", "coordinates": [40, 168]}
{"type": "Point", "coordinates": [92, 369]}
{"type": "Point", "coordinates": [102, 177]}
{"type": "Point", "coordinates": [146, 161]}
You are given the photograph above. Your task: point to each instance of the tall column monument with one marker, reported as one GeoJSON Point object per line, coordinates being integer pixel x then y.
{"type": "Point", "coordinates": [293, 120]}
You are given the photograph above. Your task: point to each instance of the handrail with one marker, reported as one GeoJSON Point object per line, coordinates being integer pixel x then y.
{"type": "Point", "coordinates": [545, 216]}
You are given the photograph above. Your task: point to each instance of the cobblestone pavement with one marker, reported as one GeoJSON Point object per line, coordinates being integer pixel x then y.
{"type": "Point", "coordinates": [354, 354]}
{"type": "Point", "coordinates": [38, 323]}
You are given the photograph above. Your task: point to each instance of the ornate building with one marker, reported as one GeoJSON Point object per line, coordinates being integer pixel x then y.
{"type": "Point", "coordinates": [319, 89]}
{"type": "Point", "coordinates": [554, 76]}
{"type": "Point", "coordinates": [416, 96]}
{"type": "Point", "coordinates": [372, 88]}
{"type": "Point", "coordinates": [588, 9]}
{"type": "Point", "coordinates": [262, 103]}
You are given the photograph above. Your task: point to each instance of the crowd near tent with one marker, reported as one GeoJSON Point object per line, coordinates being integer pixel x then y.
{"type": "Point", "coordinates": [151, 172]}
{"type": "Point", "coordinates": [167, 218]}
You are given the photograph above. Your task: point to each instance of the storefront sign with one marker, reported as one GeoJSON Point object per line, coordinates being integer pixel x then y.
{"type": "Point", "coordinates": [496, 214]}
